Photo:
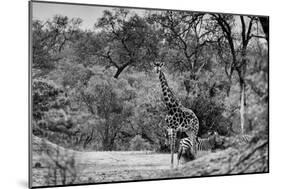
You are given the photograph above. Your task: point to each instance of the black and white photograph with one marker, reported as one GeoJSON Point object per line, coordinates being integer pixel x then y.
{"type": "Point", "coordinates": [125, 94]}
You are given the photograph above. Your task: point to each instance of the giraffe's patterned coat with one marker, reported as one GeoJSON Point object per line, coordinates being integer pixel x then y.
{"type": "Point", "coordinates": [179, 118]}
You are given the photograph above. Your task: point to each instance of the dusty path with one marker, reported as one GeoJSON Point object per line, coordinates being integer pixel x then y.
{"type": "Point", "coordinates": [118, 166]}
{"type": "Point", "coordinates": [97, 167]}
{"type": "Point", "coordinates": [100, 166]}
{"type": "Point", "coordinates": [112, 166]}
{"type": "Point", "coordinates": [93, 167]}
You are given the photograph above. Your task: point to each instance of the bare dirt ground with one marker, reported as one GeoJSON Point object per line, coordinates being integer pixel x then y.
{"type": "Point", "coordinates": [97, 167]}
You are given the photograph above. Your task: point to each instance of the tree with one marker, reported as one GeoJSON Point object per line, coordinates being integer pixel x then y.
{"type": "Point", "coordinates": [50, 38]}
{"type": "Point", "coordinates": [186, 44]}
{"type": "Point", "coordinates": [226, 46]}
{"type": "Point", "coordinates": [125, 41]}
{"type": "Point", "coordinates": [107, 100]}
{"type": "Point", "coordinates": [186, 38]}
{"type": "Point", "coordinates": [138, 143]}
{"type": "Point", "coordinates": [237, 43]}
{"type": "Point", "coordinates": [265, 26]}
{"type": "Point", "coordinates": [50, 110]}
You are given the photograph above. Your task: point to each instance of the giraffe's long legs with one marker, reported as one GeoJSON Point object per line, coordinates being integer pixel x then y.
{"type": "Point", "coordinates": [172, 146]}
{"type": "Point", "coordinates": [172, 152]}
{"type": "Point", "coordinates": [179, 156]}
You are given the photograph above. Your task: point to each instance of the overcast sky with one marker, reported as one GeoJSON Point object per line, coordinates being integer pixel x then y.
{"type": "Point", "coordinates": [89, 14]}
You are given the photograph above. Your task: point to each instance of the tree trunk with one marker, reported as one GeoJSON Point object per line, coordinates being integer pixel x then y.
{"type": "Point", "coordinates": [242, 72]}
{"type": "Point", "coordinates": [265, 26]}
{"type": "Point", "coordinates": [250, 125]}
{"type": "Point", "coordinates": [228, 87]}
{"type": "Point", "coordinates": [105, 144]}
{"type": "Point", "coordinates": [119, 70]}
{"type": "Point", "coordinates": [242, 107]}
{"type": "Point", "coordinates": [187, 86]}
{"type": "Point", "coordinates": [108, 142]}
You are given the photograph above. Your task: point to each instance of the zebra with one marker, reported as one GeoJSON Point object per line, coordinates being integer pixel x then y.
{"type": "Point", "coordinates": [244, 139]}
{"type": "Point", "coordinates": [206, 144]}
{"type": "Point", "coordinates": [201, 144]}
{"type": "Point", "coordinates": [187, 148]}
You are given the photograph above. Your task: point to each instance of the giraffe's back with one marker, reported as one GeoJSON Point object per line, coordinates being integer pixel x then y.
{"type": "Point", "coordinates": [183, 120]}
{"type": "Point", "coordinates": [192, 121]}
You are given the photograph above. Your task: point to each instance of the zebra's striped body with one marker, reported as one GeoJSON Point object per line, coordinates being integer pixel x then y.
{"type": "Point", "coordinates": [205, 144]}
{"type": "Point", "coordinates": [188, 148]}
{"type": "Point", "coordinates": [201, 144]}
{"type": "Point", "coordinates": [243, 139]}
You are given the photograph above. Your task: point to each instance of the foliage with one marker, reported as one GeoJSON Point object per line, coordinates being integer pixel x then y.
{"type": "Point", "coordinates": [99, 91]}
{"type": "Point", "coordinates": [126, 40]}
{"type": "Point", "coordinates": [50, 111]}
{"type": "Point", "coordinates": [138, 143]}
{"type": "Point", "coordinates": [49, 40]}
{"type": "Point", "coordinates": [210, 115]}
{"type": "Point", "coordinates": [187, 39]}
{"type": "Point", "coordinates": [60, 163]}
{"type": "Point", "coordinates": [47, 96]}
{"type": "Point", "coordinates": [109, 102]}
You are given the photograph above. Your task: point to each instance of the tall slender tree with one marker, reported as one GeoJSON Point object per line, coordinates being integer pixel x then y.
{"type": "Point", "coordinates": [237, 43]}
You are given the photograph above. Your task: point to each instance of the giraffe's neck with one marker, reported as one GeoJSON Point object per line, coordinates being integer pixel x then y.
{"type": "Point", "coordinates": [169, 98]}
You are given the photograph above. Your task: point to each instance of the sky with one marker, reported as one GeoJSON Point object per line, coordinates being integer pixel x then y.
{"type": "Point", "coordinates": [89, 14]}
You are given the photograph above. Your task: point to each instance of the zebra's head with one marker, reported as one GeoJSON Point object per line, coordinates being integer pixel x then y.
{"type": "Point", "coordinates": [216, 138]}
{"type": "Point", "coordinates": [219, 140]}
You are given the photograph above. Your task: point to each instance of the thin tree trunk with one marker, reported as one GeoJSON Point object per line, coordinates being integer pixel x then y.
{"type": "Point", "coordinates": [242, 72]}
{"type": "Point", "coordinates": [118, 72]}
{"type": "Point", "coordinates": [172, 153]}
{"type": "Point", "coordinates": [228, 87]}
{"type": "Point", "coordinates": [242, 108]}
{"type": "Point", "coordinates": [120, 69]}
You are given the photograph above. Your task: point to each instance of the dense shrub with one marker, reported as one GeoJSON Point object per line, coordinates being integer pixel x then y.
{"type": "Point", "coordinates": [46, 96]}
{"type": "Point", "coordinates": [50, 115]}
{"type": "Point", "coordinates": [210, 114]}
{"type": "Point", "coordinates": [138, 143]}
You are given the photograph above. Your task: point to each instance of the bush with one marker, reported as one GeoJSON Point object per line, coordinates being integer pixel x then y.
{"type": "Point", "coordinates": [210, 115]}
{"type": "Point", "coordinates": [51, 119]}
{"type": "Point", "coordinates": [47, 95]}
{"type": "Point", "coordinates": [138, 143]}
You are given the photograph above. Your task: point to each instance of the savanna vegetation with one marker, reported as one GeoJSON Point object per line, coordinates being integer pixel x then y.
{"type": "Point", "coordinates": [96, 90]}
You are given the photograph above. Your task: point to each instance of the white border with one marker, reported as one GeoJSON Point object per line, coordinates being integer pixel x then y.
{"type": "Point", "coordinates": [14, 92]}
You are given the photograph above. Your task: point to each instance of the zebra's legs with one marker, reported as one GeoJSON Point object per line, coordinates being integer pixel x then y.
{"type": "Point", "coordinates": [179, 155]}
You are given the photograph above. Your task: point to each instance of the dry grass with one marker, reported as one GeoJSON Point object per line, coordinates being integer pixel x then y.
{"type": "Point", "coordinates": [102, 166]}
{"type": "Point", "coordinates": [95, 167]}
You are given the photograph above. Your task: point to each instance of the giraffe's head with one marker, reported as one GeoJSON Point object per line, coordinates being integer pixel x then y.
{"type": "Point", "coordinates": [158, 66]}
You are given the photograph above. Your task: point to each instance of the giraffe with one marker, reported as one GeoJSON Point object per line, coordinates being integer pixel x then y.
{"type": "Point", "coordinates": [178, 118]}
